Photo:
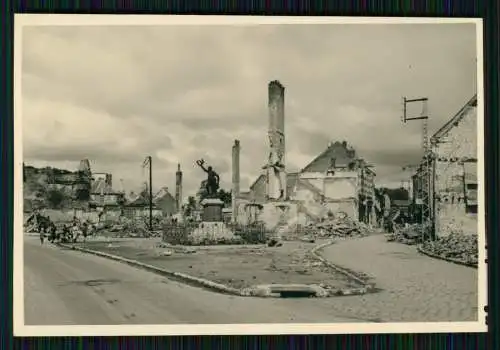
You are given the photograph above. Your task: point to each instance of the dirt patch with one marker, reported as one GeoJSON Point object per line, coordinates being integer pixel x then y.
{"type": "Point", "coordinates": [235, 266]}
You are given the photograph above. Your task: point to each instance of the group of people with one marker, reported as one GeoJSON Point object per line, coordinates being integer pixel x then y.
{"type": "Point", "coordinates": [64, 234]}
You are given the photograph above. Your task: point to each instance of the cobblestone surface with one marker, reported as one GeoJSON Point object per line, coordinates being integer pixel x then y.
{"type": "Point", "coordinates": [415, 288]}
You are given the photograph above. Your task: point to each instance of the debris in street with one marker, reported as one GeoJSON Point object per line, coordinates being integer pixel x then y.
{"type": "Point", "coordinates": [308, 239]}
{"type": "Point", "coordinates": [273, 242]}
{"type": "Point", "coordinates": [165, 253]}
{"type": "Point", "coordinates": [339, 225]}
{"type": "Point", "coordinates": [409, 234]}
{"type": "Point", "coordinates": [457, 246]}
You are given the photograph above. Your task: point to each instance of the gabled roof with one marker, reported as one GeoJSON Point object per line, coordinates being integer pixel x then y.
{"type": "Point", "coordinates": [455, 120]}
{"type": "Point", "coordinates": [257, 180]}
{"type": "Point", "coordinates": [131, 197]}
{"type": "Point", "coordinates": [139, 202]}
{"type": "Point", "coordinates": [163, 194]}
{"type": "Point", "coordinates": [335, 150]}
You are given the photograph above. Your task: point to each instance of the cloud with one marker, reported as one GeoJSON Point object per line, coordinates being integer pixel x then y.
{"type": "Point", "coordinates": [115, 94]}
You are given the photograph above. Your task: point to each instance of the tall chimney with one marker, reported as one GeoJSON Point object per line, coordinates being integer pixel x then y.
{"type": "Point", "coordinates": [236, 180]}
{"type": "Point", "coordinates": [276, 134]}
{"type": "Point", "coordinates": [178, 188]}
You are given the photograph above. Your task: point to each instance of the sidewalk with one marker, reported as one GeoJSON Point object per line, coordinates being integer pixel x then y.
{"type": "Point", "coordinates": [414, 287]}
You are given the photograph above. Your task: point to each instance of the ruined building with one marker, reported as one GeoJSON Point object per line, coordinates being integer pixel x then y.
{"type": "Point", "coordinates": [453, 173]}
{"type": "Point", "coordinates": [336, 180]}
{"type": "Point", "coordinates": [102, 193]}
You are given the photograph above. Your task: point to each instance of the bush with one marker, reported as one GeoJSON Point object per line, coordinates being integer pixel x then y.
{"type": "Point", "coordinates": [55, 198]}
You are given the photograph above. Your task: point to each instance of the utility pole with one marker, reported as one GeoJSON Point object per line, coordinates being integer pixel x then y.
{"type": "Point", "coordinates": [149, 163]}
{"type": "Point", "coordinates": [150, 193]}
{"type": "Point", "coordinates": [425, 189]}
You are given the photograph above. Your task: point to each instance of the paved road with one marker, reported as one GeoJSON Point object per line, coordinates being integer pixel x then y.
{"type": "Point", "coordinates": [65, 287]}
{"type": "Point", "coordinates": [415, 287]}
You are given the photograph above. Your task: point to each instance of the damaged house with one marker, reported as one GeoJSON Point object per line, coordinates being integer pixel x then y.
{"type": "Point", "coordinates": [337, 180]}
{"type": "Point", "coordinates": [453, 174]}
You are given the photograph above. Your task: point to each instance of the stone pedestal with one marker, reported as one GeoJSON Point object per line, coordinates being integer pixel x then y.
{"type": "Point", "coordinates": [212, 210]}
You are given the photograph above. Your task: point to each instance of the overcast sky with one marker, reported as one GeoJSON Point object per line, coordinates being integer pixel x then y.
{"type": "Point", "coordinates": [179, 93]}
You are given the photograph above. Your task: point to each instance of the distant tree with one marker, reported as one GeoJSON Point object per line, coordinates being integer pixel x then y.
{"type": "Point", "coordinates": [225, 196]}
{"type": "Point", "coordinates": [83, 179]}
{"type": "Point", "coordinates": [202, 192]}
{"type": "Point", "coordinates": [190, 206]}
{"type": "Point", "coordinates": [82, 194]}
{"type": "Point", "coordinates": [55, 198]}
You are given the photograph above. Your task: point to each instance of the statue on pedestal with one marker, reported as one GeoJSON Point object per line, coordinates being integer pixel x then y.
{"type": "Point", "coordinates": [212, 181]}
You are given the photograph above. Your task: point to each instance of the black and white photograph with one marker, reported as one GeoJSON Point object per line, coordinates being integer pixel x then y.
{"type": "Point", "coordinates": [189, 175]}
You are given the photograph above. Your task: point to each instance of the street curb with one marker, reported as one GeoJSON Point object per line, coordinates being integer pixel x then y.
{"type": "Point", "coordinates": [273, 290]}
{"type": "Point", "coordinates": [176, 275]}
{"type": "Point", "coordinates": [263, 291]}
{"type": "Point", "coordinates": [367, 287]}
{"type": "Point", "coordinates": [451, 260]}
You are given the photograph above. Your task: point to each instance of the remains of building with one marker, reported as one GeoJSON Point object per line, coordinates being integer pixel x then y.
{"type": "Point", "coordinates": [92, 197]}
{"type": "Point", "coordinates": [336, 181]}
{"type": "Point", "coordinates": [453, 174]}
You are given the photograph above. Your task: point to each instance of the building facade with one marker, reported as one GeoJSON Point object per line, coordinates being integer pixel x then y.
{"type": "Point", "coordinates": [337, 180]}
{"type": "Point", "coordinates": [453, 174]}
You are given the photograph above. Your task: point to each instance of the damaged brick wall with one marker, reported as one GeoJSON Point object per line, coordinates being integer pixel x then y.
{"type": "Point", "coordinates": [458, 144]}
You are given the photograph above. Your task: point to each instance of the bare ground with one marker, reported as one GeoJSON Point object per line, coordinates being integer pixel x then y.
{"type": "Point", "coordinates": [236, 266]}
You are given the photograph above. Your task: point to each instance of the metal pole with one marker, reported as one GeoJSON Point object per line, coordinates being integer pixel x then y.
{"type": "Point", "coordinates": [150, 193]}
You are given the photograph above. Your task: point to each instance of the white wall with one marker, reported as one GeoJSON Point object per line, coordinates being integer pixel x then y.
{"type": "Point", "coordinates": [340, 187]}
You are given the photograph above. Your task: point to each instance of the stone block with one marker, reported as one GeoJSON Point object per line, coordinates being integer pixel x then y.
{"type": "Point", "coordinates": [212, 210]}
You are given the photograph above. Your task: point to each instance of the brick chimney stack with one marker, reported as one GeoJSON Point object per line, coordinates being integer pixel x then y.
{"type": "Point", "coordinates": [178, 188]}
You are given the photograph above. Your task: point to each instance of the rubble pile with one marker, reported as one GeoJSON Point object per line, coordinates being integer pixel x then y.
{"type": "Point", "coordinates": [212, 233]}
{"type": "Point", "coordinates": [456, 246]}
{"type": "Point", "coordinates": [337, 226]}
{"type": "Point", "coordinates": [134, 228]}
{"type": "Point", "coordinates": [410, 234]}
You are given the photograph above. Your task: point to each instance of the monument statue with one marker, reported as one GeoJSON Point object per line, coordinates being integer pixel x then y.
{"type": "Point", "coordinates": [212, 181]}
